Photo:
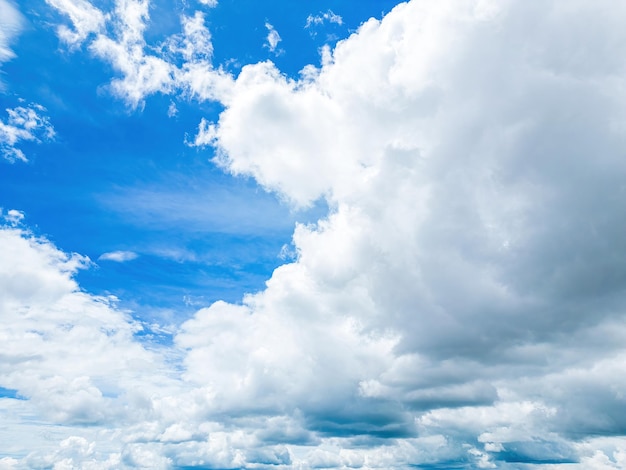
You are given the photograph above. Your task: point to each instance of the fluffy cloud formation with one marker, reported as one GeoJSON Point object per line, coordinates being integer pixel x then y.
{"type": "Point", "coordinates": [23, 124]}
{"type": "Point", "coordinates": [475, 236]}
{"type": "Point", "coordinates": [461, 305]}
{"type": "Point", "coordinates": [179, 63]}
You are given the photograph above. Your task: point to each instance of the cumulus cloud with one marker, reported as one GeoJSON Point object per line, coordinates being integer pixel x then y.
{"type": "Point", "coordinates": [179, 63]}
{"type": "Point", "coordinates": [23, 124]}
{"type": "Point", "coordinates": [118, 256]}
{"type": "Point", "coordinates": [469, 243]}
{"type": "Point", "coordinates": [461, 305]}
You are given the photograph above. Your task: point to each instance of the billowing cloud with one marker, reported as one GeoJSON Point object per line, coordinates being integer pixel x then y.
{"type": "Point", "coordinates": [460, 306]}
{"type": "Point", "coordinates": [23, 124]}
{"type": "Point", "coordinates": [469, 243]}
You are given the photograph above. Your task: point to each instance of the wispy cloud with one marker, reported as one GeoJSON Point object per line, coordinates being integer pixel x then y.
{"type": "Point", "coordinates": [118, 256]}
{"type": "Point", "coordinates": [273, 38]}
{"type": "Point", "coordinates": [328, 16]}
{"type": "Point", "coordinates": [12, 217]}
{"type": "Point", "coordinates": [23, 124]}
{"type": "Point", "coordinates": [11, 23]}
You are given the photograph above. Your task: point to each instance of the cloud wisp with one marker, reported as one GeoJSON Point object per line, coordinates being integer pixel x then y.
{"type": "Point", "coordinates": [461, 304]}
{"type": "Point", "coordinates": [23, 124]}
{"type": "Point", "coordinates": [273, 38]}
{"type": "Point", "coordinates": [11, 23]}
{"type": "Point", "coordinates": [328, 16]}
{"type": "Point", "coordinates": [118, 256]}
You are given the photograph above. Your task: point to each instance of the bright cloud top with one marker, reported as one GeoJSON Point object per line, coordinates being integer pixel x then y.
{"type": "Point", "coordinates": [462, 303]}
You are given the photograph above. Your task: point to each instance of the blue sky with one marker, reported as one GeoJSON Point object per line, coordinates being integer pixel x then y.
{"type": "Point", "coordinates": [121, 179]}
{"type": "Point", "coordinates": [304, 234]}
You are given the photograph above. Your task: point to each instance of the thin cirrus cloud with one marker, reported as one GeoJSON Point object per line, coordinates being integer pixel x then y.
{"type": "Point", "coordinates": [11, 23]}
{"type": "Point", "coordinates": [118, 256]}
{"type": "Point", "coordinates": [460, 306]}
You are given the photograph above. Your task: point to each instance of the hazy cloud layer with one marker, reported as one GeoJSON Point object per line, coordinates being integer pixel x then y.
{"type": "Point", "coordinates": [461, 306]}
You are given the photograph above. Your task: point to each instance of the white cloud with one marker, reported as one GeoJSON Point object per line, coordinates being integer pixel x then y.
{"type": "Point", "coordinates": [118, 256]}
{"type": "Point", "coordinates": [13, 217]}
{"type": "Point", "coordinates": [316, 20]}
{"type": "Point", "coordinates": [461, 304]}
{"type": "Point", "coordinates": [11, 22]}
{"type": "Point", "coordinates": [273, 38]}
{"type": "Point", "coordinates": [85, 18]}
{"type": "Point", "coordinates": [23, 123]}
{"type": "Point", "coordinates": [470, 228]}
{"type": "Point", "coordinates": [117, 37]}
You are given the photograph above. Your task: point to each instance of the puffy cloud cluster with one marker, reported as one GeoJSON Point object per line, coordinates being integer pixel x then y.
{"type": "Point", "coordinates": [475, 239]}
{"type": "Point", "coordinates": [23, 124]}
{"type": "Point", "coordinates": [180, 63]}
{"type": "Point", "coordinates": [462, 304]}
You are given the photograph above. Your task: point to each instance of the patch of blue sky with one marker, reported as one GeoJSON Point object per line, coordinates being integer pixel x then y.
{"type": "Point", "coordinates": [116, 179]}
{"type": "Point", "coordinates": [9, 393]}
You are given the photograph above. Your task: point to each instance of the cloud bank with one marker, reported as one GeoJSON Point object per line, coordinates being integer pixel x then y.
{"type": "Point", "coordinates": [461, 305]}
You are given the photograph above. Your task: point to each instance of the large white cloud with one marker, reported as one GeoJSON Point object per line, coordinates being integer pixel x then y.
{"type": "Point", "coordinates": [471, 153]}
{"type": "Point", "coordinates": [461, 305]}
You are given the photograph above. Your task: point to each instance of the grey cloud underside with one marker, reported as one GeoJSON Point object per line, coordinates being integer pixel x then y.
{"type": "Point", "coordinates": [462, 304]}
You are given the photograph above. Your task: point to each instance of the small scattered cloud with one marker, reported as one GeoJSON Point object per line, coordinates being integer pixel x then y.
{"type": "Point", "coordinates": [328, 16]}
{"type": "Point", "coordinates": [273, 38]}
{"type": "Point", "coordinates": [180, 63]}
{"type": "Point", "coordinates": [23, 124]}
{"type": "Point", "coordinates": [13, 217]}
{"type": "Point", "coordinates": [172, 110]}
{"type": "Point", "coordinates": [118, 256]}
{"type": "Point", "coordinates": [209, 3]}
